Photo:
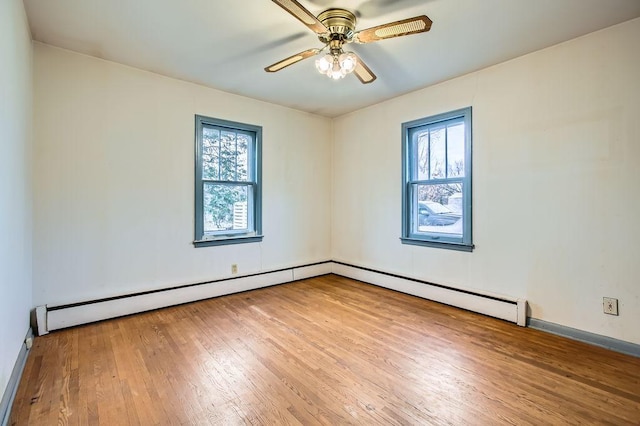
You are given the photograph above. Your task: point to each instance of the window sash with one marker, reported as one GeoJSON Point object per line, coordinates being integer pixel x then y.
{"type": "Point", "coordinates": [438, 231]}
{"type": "Point", "coordinates": [249, 151]}
{"type": "Point", "coordinates": [250, 189]}
{"type": "Point", "coordinates": [416, 132]}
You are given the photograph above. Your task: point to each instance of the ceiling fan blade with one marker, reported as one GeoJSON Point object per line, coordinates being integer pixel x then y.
{"type": "Point", "coordinates": [415, 25]}
{"type": "Point", "coordinates": [363, 72]}
{"type": "Point", "coordinates": [303, 15]}
{"type": "Point", "coordinates": [291, 60]}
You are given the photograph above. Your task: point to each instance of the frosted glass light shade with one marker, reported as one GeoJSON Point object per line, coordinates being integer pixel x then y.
{"type": "Point", "coordinates": [348, 61]}
{"type": "Point", "coordinates": [324, 64]}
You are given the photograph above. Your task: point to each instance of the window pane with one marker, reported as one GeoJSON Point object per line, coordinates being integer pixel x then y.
{"type": "Point", "coordinates": [227, 156]}
{"type": "Point", "coordinates": [243, 157]}
{"type": "Point", "coordinates": [210, 153]}
{"type": "Point", "coordinates": [225, 207]}
{"type": "Point", "coordinates": [455, 150]}
{"type": "Point", "coordinates": [422, 156]}
{"type": "Point", "coordinates": [437, 208]}
{"type": "Point", "coordinates": [437, 153]}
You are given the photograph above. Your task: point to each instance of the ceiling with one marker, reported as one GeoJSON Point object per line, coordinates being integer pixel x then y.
{"type": "Point", "coordinates": [225, 44]}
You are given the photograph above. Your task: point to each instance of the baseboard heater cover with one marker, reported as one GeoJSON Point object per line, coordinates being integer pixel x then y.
{"type": "Point", "coordinates": [498, 306]}
{"type": "Point", "coordinates": [58, 317]}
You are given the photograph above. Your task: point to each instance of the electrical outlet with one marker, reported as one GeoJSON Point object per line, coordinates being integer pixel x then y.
{"type": "Point", "coordinates": [234, 268]}
{"type": "Point", "coordinates": [610, 305]}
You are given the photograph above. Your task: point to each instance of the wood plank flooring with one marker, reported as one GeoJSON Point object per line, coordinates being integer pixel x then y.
{"type": "Point", "coordinates": [327, 350]}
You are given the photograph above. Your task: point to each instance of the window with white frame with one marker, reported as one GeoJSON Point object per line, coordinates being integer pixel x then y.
{"type": "Point", "coordinates": [436, 176]}
{"type": "Point", "coordinates": [227, 182]}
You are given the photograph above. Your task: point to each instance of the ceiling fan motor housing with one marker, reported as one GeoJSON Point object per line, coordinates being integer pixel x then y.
{"type": "Point", "coordinates": [341, 25]}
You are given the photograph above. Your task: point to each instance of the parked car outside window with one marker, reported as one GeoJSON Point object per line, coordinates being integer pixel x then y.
{"type": "Point", "coordinates": [431, 213]}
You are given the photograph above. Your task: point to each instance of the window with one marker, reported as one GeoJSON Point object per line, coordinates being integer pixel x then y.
{"type": "Point", "coordinates": [228, 188]}
{"type": "Point", "coordinates": [436, 176]}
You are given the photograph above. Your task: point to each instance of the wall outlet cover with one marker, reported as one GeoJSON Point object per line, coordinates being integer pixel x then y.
{"type": "Point", "coordinates": [610, 305]}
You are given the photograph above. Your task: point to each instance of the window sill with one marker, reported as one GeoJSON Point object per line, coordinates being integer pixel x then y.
{"type": "Point", "coordinates": [223, 241]}
{"type": "Point", "coordinates": [438, 244]}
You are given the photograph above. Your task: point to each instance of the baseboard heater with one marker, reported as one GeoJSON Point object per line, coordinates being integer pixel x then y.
{"type": "Point", "coordinates": [494, 305]}
{"type": "Point", "coordinates": [63, 316]}
{"type": "Point", "coordinates": [51, 318]}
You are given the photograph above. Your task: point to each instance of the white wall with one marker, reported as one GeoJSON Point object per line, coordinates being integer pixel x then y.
{"type": "Point", "coordinates": [556, 182]}
{"type": "Point", "coordinates": [15, 183]}
{"type": "Point", "coordinates": [114, 181]}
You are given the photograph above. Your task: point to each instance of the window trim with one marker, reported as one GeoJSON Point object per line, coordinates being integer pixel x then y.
{"type": "Point", "coordinates": [232, 237]}
{"type": "Point", "coordinates": [439, 241]}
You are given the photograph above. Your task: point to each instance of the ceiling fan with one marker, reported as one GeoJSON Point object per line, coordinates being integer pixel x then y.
{"type": "Point", "coordinates": [335, 28]}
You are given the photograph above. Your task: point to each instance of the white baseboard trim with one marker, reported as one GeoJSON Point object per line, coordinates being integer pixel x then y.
{"type": "Point", "coordinates": [58, 317]}
{"type": "Point", "coordinates": [498, 306]}
{"type": "Point", "coordinates": [616, 345]}
{"type": "Point", "coordinates": [12, 387]}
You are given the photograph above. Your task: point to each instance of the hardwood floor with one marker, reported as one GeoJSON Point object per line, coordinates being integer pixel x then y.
{"type": "Point", "coordinates": [326, 350]}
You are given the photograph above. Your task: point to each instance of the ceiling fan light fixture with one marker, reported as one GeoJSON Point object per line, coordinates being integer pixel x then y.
{"type": "Point", "coordinates": [337, 64]}
{"type": "Point", "coordinates": [348, 61]}
{"type": "Point", "coordinates": [324, 64]}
